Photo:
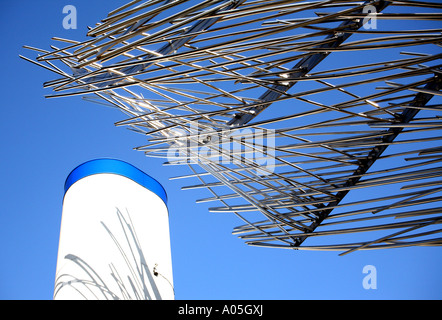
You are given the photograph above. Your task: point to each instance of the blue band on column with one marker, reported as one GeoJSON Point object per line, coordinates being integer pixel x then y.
{"type": "Point", "coordinates": [116, 167]}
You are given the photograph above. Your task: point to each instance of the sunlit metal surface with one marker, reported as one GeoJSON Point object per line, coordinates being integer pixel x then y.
{"type": "Point", "coordinates": [335, 107]}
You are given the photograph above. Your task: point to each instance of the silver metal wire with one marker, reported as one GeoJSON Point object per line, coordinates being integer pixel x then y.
{"type": "Point", "coordinates": [319, 105]}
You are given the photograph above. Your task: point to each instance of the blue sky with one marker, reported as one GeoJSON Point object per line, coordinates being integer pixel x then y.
{"type": "Point", "coordinates": [42, 140]}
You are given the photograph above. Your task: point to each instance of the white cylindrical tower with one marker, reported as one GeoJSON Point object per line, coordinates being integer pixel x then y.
{"type": "Point", "coordinates": [114, 237]}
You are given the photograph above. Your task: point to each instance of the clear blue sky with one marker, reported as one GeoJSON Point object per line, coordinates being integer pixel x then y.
{"type": "Point", "coordinates": [42, 140]}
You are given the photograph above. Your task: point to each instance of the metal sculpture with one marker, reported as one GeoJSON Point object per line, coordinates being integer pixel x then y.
{"type": "Point", "coordinates": [282, 110]}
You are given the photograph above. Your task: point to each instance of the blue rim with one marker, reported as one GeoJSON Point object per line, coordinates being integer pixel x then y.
{"type": "Point", "coordinates": [116, 167]}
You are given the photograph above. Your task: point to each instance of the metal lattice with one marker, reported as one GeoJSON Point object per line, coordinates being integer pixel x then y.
{"type": "Point", "coordinates": [306, 119]}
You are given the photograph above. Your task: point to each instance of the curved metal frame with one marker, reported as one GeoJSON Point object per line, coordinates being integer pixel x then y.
{"type": "Point", "coordinates": [206, 74]}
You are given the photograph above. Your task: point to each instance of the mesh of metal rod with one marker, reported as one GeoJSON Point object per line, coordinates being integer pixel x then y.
{"type": "Point", "coordinates": [317, 123]}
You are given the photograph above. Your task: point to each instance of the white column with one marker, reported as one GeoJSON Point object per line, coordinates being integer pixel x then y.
{"type": "Point", "coordinates": [114, 237]}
